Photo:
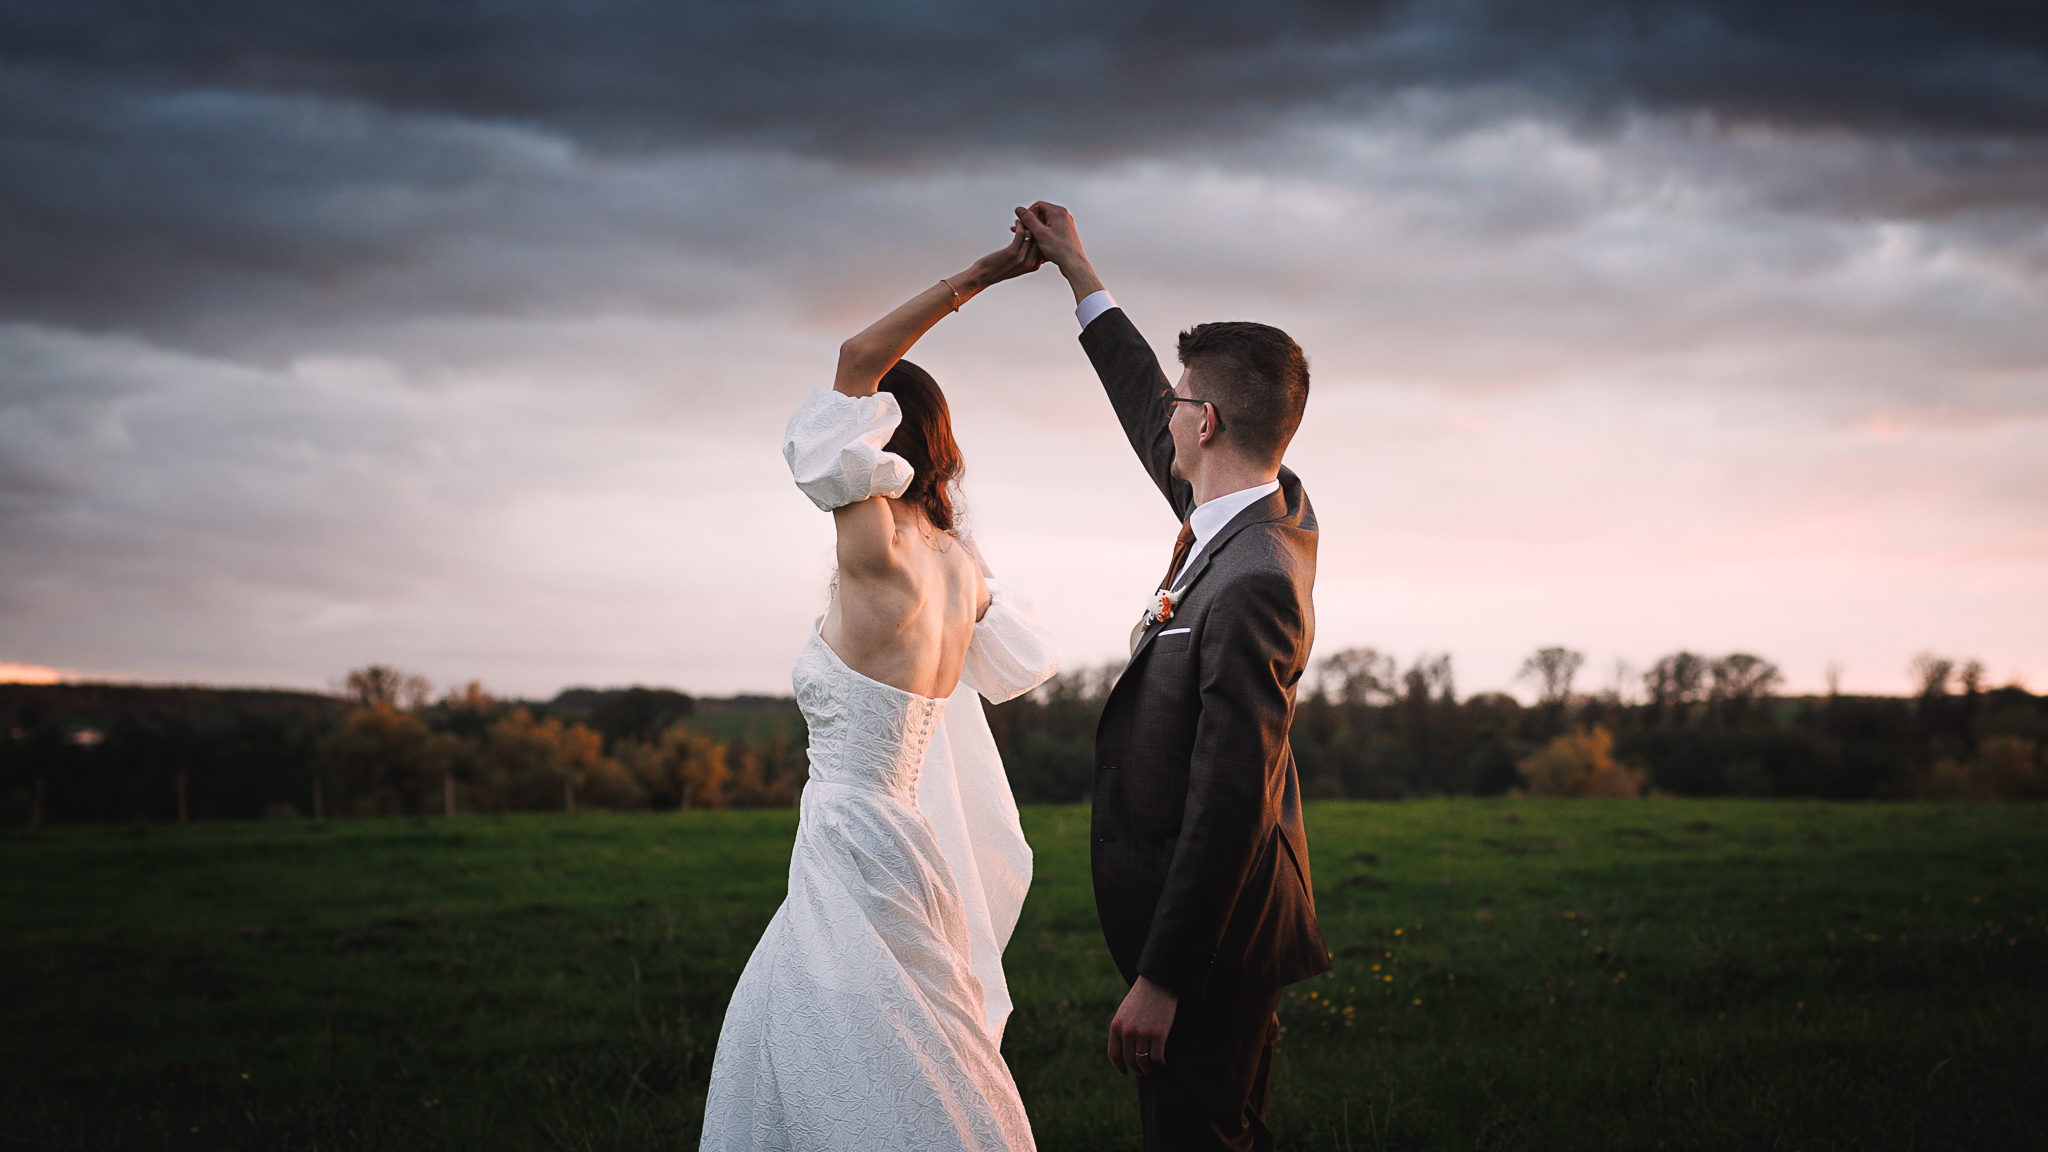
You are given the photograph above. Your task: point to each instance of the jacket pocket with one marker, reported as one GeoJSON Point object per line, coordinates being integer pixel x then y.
{"type": "Point", "coordinates": [1171, 642]}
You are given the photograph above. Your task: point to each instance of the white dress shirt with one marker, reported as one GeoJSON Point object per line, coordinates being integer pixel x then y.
{"type": "Point", "coordinates": [1094, 305]}
{"type": "Point", "coordinates": [1208, 519]}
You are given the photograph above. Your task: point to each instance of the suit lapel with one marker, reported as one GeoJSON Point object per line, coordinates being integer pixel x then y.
{"type": "Point", "coordinates": [1271, 507]}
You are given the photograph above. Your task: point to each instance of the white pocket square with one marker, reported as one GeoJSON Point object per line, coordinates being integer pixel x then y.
{"type": "Point", "coordinates": [1175, 631]}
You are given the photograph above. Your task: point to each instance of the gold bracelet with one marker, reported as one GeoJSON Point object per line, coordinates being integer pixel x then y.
{"type": "Point", "coordinates": [955, 291]}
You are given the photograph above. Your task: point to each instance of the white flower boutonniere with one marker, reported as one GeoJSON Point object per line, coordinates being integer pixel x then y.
{"type": "Point", "coordinates": [1159, 608]}
{"type": "Point", "coordinates": [1160, 605]}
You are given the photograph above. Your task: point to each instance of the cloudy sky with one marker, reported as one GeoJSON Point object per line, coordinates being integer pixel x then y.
{"type": "Point", "coordinates": [461, 337]}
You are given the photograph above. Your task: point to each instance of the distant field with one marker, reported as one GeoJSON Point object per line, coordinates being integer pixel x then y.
{"type": "Point", "coordinates": [1511, 974]}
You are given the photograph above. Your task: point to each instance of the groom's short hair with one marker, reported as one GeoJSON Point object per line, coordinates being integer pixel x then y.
{"type": "Point", "coordinates": [1257, 375]}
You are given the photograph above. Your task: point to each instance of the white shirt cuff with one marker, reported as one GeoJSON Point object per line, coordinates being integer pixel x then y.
{"type": "Point", "coordinates": [1095, 305]}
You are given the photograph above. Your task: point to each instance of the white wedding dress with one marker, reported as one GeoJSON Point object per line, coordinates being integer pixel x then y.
{"type": "Point", "coordinates": [871, 1013]}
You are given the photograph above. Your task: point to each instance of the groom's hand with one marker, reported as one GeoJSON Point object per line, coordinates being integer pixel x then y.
{"type": "Point", "coordinates": [1137, 1033]}
{"type": "Point", "coordinates": [1052, 230]}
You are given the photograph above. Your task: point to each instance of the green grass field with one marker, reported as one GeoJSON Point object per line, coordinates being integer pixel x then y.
{"type": "Point", "coordinates": [1510, 974]}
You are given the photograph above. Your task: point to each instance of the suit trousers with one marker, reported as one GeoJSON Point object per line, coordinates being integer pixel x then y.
{"type": "Point", "coordinates": [1219, 1068]}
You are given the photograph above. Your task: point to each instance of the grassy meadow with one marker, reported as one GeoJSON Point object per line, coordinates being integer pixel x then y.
{"type": "Point", "coordinates": [1509, 974]}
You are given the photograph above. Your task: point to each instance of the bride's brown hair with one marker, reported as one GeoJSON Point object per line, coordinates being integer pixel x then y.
{"type": "Point", "coordinates": [925, 438]}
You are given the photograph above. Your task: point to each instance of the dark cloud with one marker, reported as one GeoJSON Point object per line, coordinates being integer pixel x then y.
{"type": "Point", "coordinates": [171, 168]}
{"type": "Point", "coordinates": [115, 201]}
{"type": "Point", "coordinates": [1068, 78]}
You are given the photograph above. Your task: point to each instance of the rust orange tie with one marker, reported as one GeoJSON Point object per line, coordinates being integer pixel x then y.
{"type": "Point", "coordinates": [1182, 545]}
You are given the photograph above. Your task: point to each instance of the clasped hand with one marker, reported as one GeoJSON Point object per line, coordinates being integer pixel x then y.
{"type": "Point", "coordinates": [1042, 234]}
{"type": "Point", "coordinates": [1017, 258]}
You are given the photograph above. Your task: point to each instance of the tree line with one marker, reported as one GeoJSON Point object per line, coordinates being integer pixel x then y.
{"type": "Point", "coordinates": [384, 745]}
{"type": "Point", "coordinates": [1365, 727]}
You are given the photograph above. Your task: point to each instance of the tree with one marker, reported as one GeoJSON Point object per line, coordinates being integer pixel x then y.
{"type": "Point", "coordinates": [1427, 717]}
{"type": "Point", "coordinates": [1357, 676]}
{"type": "Point", "coordinates": [1944, 718]}
{"type": "Point", "coordinates": [383, 684]}
{"type": "Point", "coordinates": [1581, 764]}
{"type": "Point", "coordinates": [2006, 767]}
{"type": "Point", "coordinates": [762, 774]}
{"type": "Point", "coordinates": [465, 713]}
{"type": "Point", "coordinates": [639, 713]}
{"type": "Point", "coordinates": [383, 761]}
{"type": "Point", "coordinates": [1554, 669]}
{"type": "Point", "coordinates": [530, 761]}
{"type": "Point", "coordinates": [1740, 680]}
{"type": "Point", "coordinates": [1430, 678]}
{"type": "Point", "coordinates": [680, 770]}
{"type": "Point", "coordinates": [1673, 684]}
{"type": "Point", "coordinates": [1931, 674]}
{"type": "Point", "coordinates": [1972, 677]}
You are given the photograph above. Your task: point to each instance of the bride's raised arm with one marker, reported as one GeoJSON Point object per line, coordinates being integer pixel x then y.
{"type": "Point", "coordinates": [866, 356]}
{"type": "Point", "coordinates": [866, 528]}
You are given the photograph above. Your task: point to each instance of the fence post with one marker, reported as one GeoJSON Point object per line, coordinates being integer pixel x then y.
{"type": "Point", "coordinates": [35, 806]}
{"type": "Point", "coordinates": [182, 810]}
{"type": "Point", "coordinates": [448, 792]}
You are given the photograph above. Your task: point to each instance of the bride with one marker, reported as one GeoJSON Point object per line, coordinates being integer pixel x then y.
{"type": "Point", "coordinates": [870, 1014]}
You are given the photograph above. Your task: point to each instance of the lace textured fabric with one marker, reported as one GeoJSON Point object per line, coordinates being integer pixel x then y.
{"type": "Point", "coordinates": [871, 1012]}
{"type": "Point", "coordinates": [833, 444]}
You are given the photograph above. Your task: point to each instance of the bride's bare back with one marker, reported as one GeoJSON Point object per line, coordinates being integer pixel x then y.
{"type": "Point", "coordinates": [907, 599]}
{"type": "Point", "coordinates": [909, 593]}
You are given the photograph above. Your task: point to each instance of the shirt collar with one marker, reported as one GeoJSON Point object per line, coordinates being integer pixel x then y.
{"type": "Point", "coordinates": [1209, 518]}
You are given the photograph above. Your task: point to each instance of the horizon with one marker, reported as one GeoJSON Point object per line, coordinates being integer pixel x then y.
{"type": "Point", "coordinates": [465, 344]}
{"type": "Point", "coordinates": [1525, 696]}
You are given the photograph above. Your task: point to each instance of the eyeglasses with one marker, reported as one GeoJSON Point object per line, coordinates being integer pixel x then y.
{"type": "Point", "coordinates": [1167, 397]}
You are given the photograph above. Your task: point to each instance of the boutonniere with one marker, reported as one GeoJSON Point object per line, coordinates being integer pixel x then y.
{"type": "Point", "coordinates": [1160, 605]}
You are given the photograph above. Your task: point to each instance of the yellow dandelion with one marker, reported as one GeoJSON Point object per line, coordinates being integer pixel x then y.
{"type": "Point", "coordinates": [1398, 931]}
{"type": "Point", "coordinates": [1418, 1001]}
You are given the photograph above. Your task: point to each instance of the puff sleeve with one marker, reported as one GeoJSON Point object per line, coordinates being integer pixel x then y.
{"type": "Point", "coordinates": [1011, 652]}
{"type": "Point", "coordinates": [833, 444]}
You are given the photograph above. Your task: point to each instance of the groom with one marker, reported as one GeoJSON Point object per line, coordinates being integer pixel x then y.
{"type": "Point", "coordinates": [1200, 862]}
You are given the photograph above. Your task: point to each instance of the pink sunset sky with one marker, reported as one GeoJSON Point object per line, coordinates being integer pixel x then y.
{"type": "Point", "coordinates": [303, 370]}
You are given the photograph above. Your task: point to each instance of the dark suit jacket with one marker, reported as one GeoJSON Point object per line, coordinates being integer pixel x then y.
{"type": "Point", "coordinates": [1200, 862]}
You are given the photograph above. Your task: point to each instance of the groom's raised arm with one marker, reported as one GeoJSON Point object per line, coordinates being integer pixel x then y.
{"type": "Point", "coordinates": [1130, 374]}
{"type": "Point", "coordinates": [1129, 371]}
